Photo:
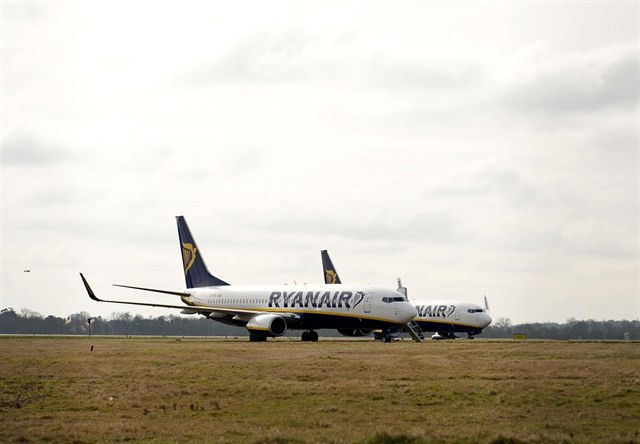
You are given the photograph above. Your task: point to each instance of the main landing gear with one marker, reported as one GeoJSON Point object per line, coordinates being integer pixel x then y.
{"type": "Point", "coordinates": [256, 338]}
{"type": "Point", "coordinates": [309, 336]}
{"type": "Point", "coordinates": [382, 337]}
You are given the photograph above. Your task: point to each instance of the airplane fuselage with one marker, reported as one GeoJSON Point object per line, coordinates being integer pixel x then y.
{"type": "Point", "coordinates": [311, 306]}
{"type": "Point", "coordinates": [450, 316]}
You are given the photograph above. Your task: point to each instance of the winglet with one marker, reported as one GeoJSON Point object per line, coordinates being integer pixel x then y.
{"type": "Point", "coordinates": [92, 295]}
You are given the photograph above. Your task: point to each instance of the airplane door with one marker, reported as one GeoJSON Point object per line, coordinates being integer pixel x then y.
{"type": "Point", "coordinates": [456, 313]}
{"type": "Point", "coordinates": [367, 302]}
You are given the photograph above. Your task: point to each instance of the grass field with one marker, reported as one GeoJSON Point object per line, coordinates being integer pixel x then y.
{"type": "Point", "coordinates": [168, 389]}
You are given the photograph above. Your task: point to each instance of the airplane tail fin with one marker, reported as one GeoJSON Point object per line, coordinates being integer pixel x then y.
{"type": "Point", "coordinates": [196, 273]}
{"type": "Point", "coordinates": [330, 273]}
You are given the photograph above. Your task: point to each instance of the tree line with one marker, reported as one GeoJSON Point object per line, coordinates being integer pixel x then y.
{"type": "Point", "coordinates": [571, 329]}
{"type": "Point", "coordinates": [31, 322]}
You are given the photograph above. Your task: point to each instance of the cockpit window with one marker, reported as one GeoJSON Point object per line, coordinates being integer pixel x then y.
{"type": "Point", "coordinates": [388, 300]}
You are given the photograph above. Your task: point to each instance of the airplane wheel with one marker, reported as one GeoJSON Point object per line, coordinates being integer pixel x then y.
{"type": "Point", "coordinates": [305, 336]}
{"type": "Point", "coordinates": [387, 339]}
{"type": "Point", "coordinates": [313, 336]}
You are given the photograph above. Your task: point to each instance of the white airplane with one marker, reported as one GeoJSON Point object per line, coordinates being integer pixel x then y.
{"type": "Point", "coordinates": [448, 317]}
{"type": "Point", "coordinates": [444, 317]}
{"type": "Point", "coordinates": [269, 310]}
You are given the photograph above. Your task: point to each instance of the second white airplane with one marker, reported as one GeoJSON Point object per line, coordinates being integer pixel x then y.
{"type": "Point", "coordinates": [444, 317]}
{"type": "Point", "coordinates": [270, 310]}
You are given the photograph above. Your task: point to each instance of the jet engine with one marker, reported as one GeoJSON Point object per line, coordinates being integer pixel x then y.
{"type": "Point", "coordinates": [267, 325]}
{"type": "Point", "coordinates": [355, 332]}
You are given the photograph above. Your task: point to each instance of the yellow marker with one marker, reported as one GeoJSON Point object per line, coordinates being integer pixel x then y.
{"type": "Point", "coordinates": [188, 256]}
{"type": "Point", "coordinates": [330, 277]}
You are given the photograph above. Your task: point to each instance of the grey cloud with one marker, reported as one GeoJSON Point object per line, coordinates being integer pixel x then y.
{"type": "Point", "coordinates": [391, 72]}
{"type": "Point", "coordinates": [54, 197]}
{"type": "Point", "coordinates": [262, 57]}
{"type": "Point", "coordinates": [242, 160]}
{"type": "Point", "coordinates": [436, 226]}
{"type": "Point", "coordinates": [26, 149]}
{"type": "Point", "coordinates": [153, 158]}
{"type": "Point", "coordinates": [28, 11]}
{"type": "Point", "coordinates": [293, 55]}
{"type": "Point", "coordinates": [506, 181]}
{"type": "Point", "coordinates": [585, 86]}
{"type": "Point", "coordinates": [593, 237]}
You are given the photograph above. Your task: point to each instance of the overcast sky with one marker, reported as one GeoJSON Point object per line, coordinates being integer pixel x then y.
{"type": "Point", "coordinates": [470, 148]}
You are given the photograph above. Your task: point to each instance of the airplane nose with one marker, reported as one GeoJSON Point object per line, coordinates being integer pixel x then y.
{"type": "Point", "coordinates": [407, 313]}
{"type": "Point", "coordinates": [486, 320]}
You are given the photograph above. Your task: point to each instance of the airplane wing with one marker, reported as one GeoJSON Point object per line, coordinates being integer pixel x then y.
{"type": "Point", "coordinates": [176, 293]}
{"type": "Point", "coordinates": [199, 308]}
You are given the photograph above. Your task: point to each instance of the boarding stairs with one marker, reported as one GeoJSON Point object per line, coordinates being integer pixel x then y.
{"type": "Point", "coordinates": [414, 330]}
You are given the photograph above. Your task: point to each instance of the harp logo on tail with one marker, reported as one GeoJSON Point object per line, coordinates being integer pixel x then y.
{"type": "Point", "coordinates": [330, 276]}
{"type": "Point", "coordinates": [188, 256]}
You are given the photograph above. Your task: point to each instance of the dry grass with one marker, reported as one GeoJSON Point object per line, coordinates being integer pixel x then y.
{"type": "Point", "coordinates": [153, 389]}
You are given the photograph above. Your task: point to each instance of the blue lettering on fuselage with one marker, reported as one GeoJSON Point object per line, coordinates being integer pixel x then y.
{"type": "Point", "coordinates": [325, 299]}
{"type": "Point", "coordinates": [274, 299]}
{"type": "Point", "coordinates": [312, 298]}
{"type": "Point", "coordinates": [345, 297]}
{"type": "Point", "coordinates": [299, 299]}
{"type": "Point", "coordinates": [435, 311]}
